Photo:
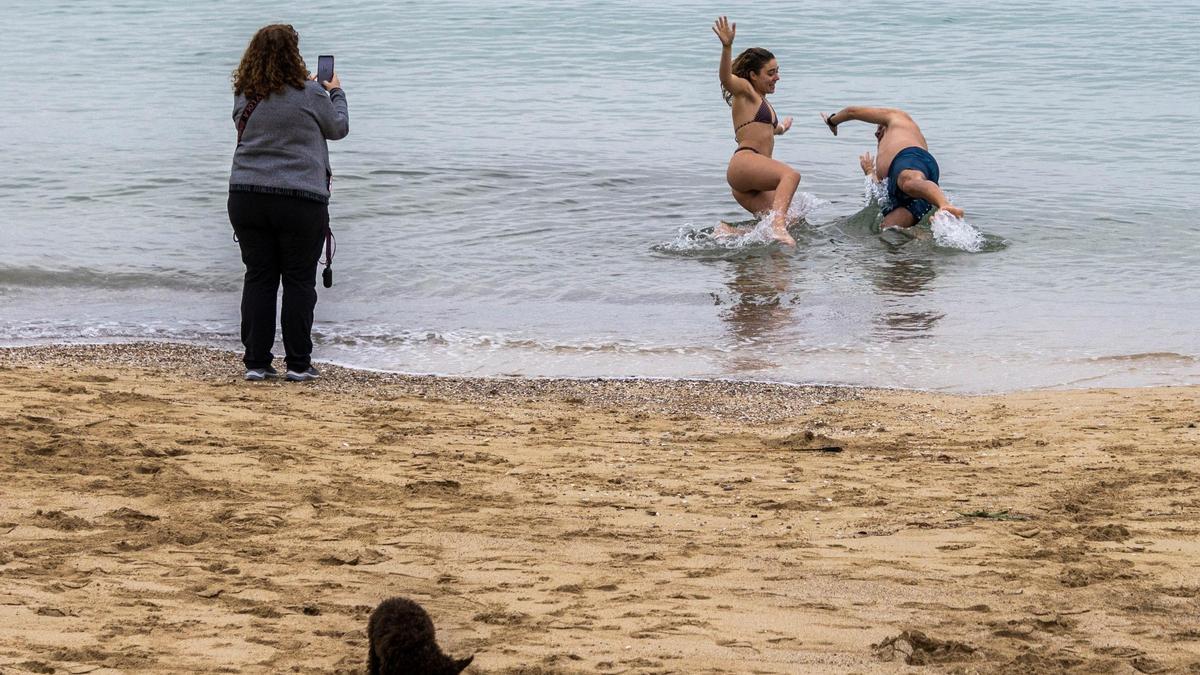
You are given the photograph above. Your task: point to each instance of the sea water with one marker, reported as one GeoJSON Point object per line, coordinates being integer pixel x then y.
{"type": "Point", "coordinates": [511, 195]}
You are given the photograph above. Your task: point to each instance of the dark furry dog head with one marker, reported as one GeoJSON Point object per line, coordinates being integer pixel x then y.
{"type": "Point", "coordinates": [402, 642]}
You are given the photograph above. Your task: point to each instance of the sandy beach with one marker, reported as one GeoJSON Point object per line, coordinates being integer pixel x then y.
{"type": "Point", "coordinates": [158, 514]}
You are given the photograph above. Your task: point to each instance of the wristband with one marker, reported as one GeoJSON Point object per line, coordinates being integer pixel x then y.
{"type": "Point", "coordinates": [831, 124]}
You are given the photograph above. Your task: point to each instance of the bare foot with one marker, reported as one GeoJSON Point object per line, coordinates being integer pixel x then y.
{"type": "Point", "coordinates": [781, 235]}
{"type": "Point", "coordinates": [724, 229]}
{"type": "Point", "coordinates": [952, 210]}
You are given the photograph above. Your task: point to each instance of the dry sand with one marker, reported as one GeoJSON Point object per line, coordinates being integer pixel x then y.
{"type": "Point", "coordinates": [158, 514]}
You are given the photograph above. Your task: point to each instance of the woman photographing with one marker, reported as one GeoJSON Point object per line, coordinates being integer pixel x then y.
{"type": "Point", "coordinates": [279, 194]}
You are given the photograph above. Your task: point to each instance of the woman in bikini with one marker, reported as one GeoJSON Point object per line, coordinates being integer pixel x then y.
{"type": "Point", "coordinates": [760, 184]}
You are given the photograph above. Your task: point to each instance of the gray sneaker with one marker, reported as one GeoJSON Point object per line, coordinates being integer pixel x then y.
{"type": "Point", "coordinates": [260, 374]}
{"type": "Point", "coordinates": [306, 376]}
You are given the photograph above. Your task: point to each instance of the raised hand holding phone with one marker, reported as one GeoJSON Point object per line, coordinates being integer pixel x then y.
{"type": "Point", "coordinates": [325, 73]}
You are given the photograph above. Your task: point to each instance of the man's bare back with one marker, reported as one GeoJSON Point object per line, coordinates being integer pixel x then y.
{"type": "Point", "coordinates": [899, 133]}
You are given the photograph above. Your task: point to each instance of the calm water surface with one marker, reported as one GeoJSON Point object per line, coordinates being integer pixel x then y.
{"type": "Point", "coordinates": [513, 192]}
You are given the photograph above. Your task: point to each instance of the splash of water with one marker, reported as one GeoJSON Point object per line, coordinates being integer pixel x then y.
{"type": "Point", "coordinates": [692, 239]}
{"type": "Point", "coordinates": [875, 191]}
{"type": "Point", "coordinates": [952, 232]}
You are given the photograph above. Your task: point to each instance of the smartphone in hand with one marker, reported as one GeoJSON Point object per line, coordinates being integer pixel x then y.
{"type": "Point", "coordinates": [324, 68]}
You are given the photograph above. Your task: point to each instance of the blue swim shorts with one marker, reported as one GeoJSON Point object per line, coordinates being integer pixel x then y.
{"type": "Point", "coordinates": [911, 158]}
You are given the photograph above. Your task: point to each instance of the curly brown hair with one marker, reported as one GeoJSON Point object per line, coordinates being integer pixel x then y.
{"type": "Point", "coordinates": [272, 61]}
{"type": "Point", "coordinates": [750, 61]}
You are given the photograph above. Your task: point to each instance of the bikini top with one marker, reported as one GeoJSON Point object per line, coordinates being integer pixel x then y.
{"type": "Point", "coordinates": [765, 114]}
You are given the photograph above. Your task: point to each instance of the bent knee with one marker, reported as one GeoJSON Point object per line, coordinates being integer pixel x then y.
{"type": "Point", "coordinates": [790, 176]}
{"type": "Point", "coordinates": [909, 178]}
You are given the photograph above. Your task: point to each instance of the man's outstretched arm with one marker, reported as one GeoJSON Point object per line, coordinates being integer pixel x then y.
{"type": "Point", "coordinates": [862, 114]}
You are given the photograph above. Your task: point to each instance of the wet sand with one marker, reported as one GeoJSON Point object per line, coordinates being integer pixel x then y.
{"type": "Point", "coordinates": [158, 514]}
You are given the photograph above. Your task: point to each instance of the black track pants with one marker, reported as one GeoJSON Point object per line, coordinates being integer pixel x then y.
{"type": "Point", "coordinates": [281, 240]}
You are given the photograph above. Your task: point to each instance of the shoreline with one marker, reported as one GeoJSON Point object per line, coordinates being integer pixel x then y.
{"type": "Point", "coordinates": [95, 352]}
{"type": "Point", "coordinates": [161, 514]}
{"type": "Point", "coordinates": [777, 400]}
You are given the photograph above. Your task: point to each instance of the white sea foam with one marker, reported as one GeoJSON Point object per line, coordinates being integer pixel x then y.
{"type": "Point", "coordinates": [689, 238]}
{"type": "Point", "coordinates": [803, 204]}
{"type": "Point", "coordinates": [952, 232]}
{"type": "Point", "coordinates": [875, 191]}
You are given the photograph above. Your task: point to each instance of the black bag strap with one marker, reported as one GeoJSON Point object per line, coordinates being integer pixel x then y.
{"type": "Point", "coordinates": [330, 247]}
{"type": "Point", "coordinates": [251, 104]}
{"type": "Point", "coordinates": [330, 242]}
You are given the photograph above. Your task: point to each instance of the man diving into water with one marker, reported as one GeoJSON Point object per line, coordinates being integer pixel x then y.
{"type": "Point", "coordinates": [902, 158]}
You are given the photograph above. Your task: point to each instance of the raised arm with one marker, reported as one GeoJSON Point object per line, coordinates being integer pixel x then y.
{"type": "Point", "coordinates": [331, 112]}
{"type": "Point", "coordinates": [863, 114]}
{"type": "Point", "coordinates": [733, 84]}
